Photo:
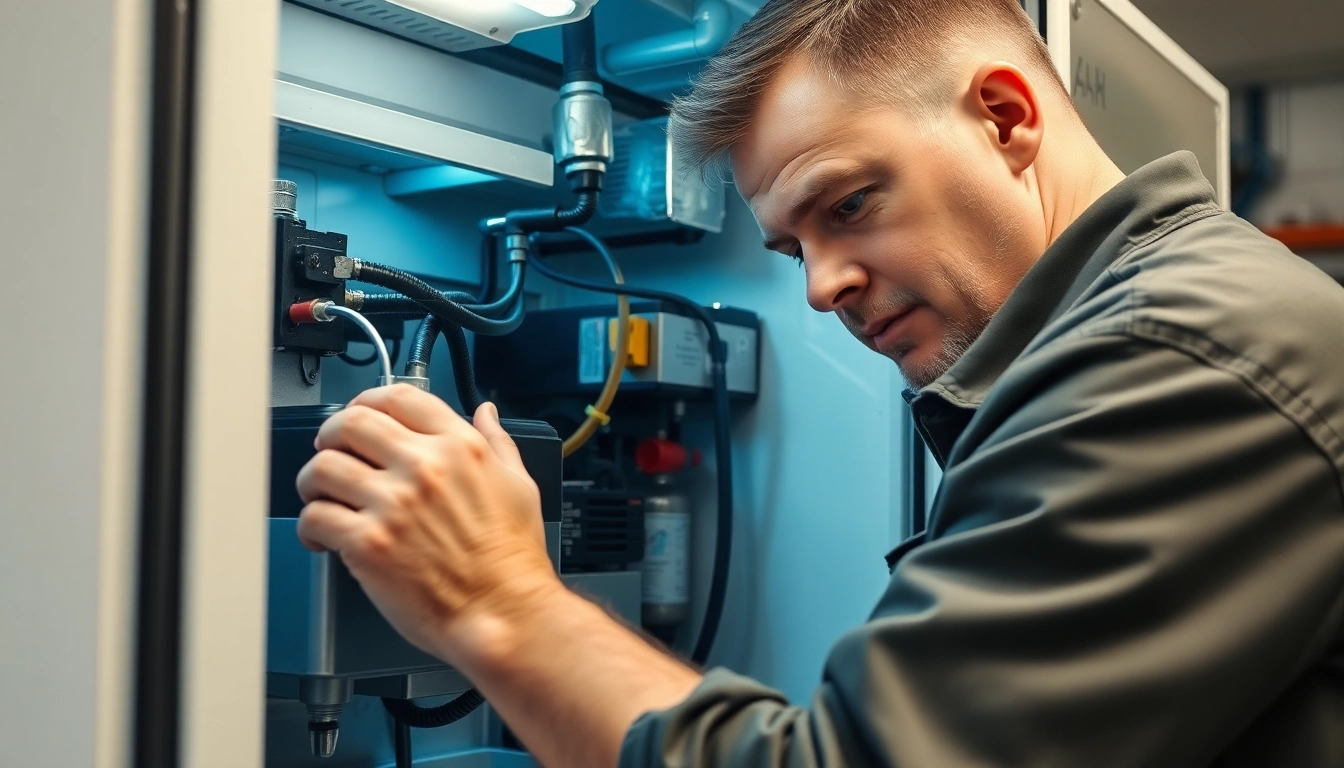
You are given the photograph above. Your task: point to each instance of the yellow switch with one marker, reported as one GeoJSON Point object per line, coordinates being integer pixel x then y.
{"type": "Point", "coordinates": [639, 341]}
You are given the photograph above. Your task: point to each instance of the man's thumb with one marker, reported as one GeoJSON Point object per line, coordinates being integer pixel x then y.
{"type": "Point", "coordinates": [486, 422]}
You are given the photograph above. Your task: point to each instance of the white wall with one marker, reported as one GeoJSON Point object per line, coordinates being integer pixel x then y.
{"type": "Point", "coordinates": [73, 148]}
{"type": "Point", "coordinates": [1306, 137]}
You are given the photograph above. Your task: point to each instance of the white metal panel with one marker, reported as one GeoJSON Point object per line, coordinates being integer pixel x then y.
{"type": "Point", "coordinates": [333, 55]}
{"type": "Point", "coordinates": [228, 397]}
{"type": "Point", "coordinates": [1151, 123]}
{"type": "Point", "coordinates": [73, 209]}
{"type": "Point", "coordinates": [336, 115]}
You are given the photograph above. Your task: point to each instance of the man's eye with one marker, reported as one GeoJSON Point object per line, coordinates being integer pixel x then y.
{"type": "Point", "coordinates": [852, 205]}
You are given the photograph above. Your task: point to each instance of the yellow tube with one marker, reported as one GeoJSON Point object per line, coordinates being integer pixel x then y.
{"type": "Point", "coordinates": [597, 412]}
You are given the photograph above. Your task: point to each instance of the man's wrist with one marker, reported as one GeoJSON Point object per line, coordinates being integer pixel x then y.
{"type": "Point", "coordinates": [494, 628]}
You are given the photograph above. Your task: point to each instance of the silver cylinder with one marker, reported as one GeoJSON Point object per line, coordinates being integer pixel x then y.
{"type": "Point", "coordinates": [324, 697]}
{"type": "Point", "coordinates": [581, 120]}
{"type": "Point", "coordinates": [285, 199]}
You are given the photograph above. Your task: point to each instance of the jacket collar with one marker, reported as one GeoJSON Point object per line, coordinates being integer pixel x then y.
{"type": "Point", "coordinates": [1136, 210]}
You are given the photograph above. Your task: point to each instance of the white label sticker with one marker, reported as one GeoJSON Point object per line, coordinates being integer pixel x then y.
{"type": "Point", "coordinates": [666, 541]}
{"type": "Point", "coordinates": [592, 350]}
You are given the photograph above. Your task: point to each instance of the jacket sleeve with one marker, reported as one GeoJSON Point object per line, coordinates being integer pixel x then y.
{"type": "Point", "coordinates": [1139, 555]}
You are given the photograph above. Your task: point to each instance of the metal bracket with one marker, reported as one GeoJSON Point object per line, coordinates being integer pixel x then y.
{"type": "Point", "coordinates": [309, 367]}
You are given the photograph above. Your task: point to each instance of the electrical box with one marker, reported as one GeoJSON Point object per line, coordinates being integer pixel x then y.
{"type": "Point", "coordinates": [567, 352]}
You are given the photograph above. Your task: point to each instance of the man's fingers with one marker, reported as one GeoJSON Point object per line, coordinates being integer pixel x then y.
{"type": "Point", "coordinates": [415, 409]}
{"type": "Point", "coordinates": [327, 525]}
{"type": "Point", "coordinates": [487, 423]}
{"type": "Point", "coordinates": [365, 432]}
{"type": "Point", "coordinates": [338, 476]}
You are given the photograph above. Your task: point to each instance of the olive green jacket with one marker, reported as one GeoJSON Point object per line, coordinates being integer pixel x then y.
{"type": "Point", "coordinates": [1136, 557]}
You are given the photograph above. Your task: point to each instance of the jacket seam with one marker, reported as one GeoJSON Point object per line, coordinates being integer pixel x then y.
{"type": "Point", "coordinates": [1198, 213]}
{"type": "Point", "coordinates": [1251, 371]}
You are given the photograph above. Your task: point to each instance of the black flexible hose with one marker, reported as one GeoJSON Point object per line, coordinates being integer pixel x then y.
{"type": "Point", "coordinates": [431, 300]}
{"type": "Point", "coordinates": [422, 345]}
{"type": "Point", "coordinates": [723, 544]}
{"type": "Point", "coordinates": [489, 249]}
{"type": "Point", "coordinates": [416, 716]}
{"type": "Point", "coordinates": [464, 373]}
{"type": "Point", "coordinates": [580, 50]}
{"type": "Point", "coordinates": [553, 219]}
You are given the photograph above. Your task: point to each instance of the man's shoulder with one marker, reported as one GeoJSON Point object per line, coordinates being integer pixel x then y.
{"type": "Point", "coordinates": [1225, 294]}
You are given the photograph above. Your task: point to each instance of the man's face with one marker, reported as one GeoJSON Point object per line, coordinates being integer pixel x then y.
{"type": "Point", "coordinates": [913, 237]}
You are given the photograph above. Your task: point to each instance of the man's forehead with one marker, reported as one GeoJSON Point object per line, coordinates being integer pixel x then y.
{"type": "Point", "coordinates": [799, 110]}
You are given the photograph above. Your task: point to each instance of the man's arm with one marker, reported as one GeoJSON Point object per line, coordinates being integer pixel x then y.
{"type": "Point", "coordinates": [441, 525]}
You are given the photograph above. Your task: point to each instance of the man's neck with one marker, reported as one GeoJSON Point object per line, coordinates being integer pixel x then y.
{"type": "Point", "coordinates": [1076, 174]}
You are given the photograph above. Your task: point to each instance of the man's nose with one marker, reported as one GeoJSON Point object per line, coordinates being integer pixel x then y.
{"type": "Point", "coordinates": [833, 281]}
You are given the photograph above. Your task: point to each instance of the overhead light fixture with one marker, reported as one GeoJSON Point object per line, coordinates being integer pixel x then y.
{"type": "Point", "coordinates": [499, 20]}
{"type": "Point", "coordinates": [549, 8]}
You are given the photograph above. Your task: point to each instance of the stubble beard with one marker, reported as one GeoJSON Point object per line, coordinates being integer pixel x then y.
{"type": "Point", "coordinates": [958, 335]}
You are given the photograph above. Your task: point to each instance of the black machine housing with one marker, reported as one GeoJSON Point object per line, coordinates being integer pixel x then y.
{"type": "Point", "coordinates": [308, 265]}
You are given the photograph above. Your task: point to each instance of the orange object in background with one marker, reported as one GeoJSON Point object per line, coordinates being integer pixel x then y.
{"type": "Point", "coordinates": [1309, 237]}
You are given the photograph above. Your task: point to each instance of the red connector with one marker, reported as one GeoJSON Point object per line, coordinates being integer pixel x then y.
{"type": "Point", "coordinates": [304, 312]}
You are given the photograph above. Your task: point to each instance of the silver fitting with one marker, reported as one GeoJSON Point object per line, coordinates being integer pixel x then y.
{"type": "Point", "coordinates": [419, 382]}
{"type": "Point", "coordinates": [354, 299]}
{"type": "Point", "coordinates": [355, 267]}
{"type": "Point", "coordinates": [344, 268]}
{"type": "Point", "coordinates": [517, 246]}
{"type": "Point", "coordinates": [581, 120]}
{"type": "Point", "coordinates": [320, 313]}
{"type": "Point", "coordinates": [285, 199]}
{"type": "Point", "coordinates": [324, 698]}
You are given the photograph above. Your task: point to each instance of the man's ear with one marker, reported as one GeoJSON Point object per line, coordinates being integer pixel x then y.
{"type": "Point", "coordinates": [1006, 101]}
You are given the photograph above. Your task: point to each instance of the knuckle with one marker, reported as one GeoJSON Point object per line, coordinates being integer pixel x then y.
{"type": "Point", "coordinates": [374, 544]}
{"type": "Point", "coordinates": [323, 465]}
{"type": "Point", "coordinates": [356, 418]}
{"type": "Point", "coordinates": [402, 394]}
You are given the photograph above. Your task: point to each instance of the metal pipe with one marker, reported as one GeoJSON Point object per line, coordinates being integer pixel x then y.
{"type": "Point", "coordinates": [713, 27]}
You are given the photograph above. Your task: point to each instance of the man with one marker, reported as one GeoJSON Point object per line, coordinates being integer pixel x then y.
{"type": "Point", "coordinates": [1137, 556]}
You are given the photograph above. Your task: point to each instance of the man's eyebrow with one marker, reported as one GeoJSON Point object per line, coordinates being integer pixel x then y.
{"type": "Point", "coordinates": [814, 186]}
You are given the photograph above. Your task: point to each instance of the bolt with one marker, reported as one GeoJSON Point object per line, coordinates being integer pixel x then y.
{"type": "Point", "coordinates": [310, 374]}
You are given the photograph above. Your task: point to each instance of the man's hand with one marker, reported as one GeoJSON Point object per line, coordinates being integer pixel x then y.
{"type": "Point", "coordinates": [437, 519]}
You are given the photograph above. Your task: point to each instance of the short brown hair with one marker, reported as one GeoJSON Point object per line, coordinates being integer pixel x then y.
{"type": "Point", "coordinates": [907, 43]}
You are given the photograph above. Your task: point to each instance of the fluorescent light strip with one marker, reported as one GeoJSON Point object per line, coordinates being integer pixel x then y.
{"type": "Point", "coordinates": [548, 8]}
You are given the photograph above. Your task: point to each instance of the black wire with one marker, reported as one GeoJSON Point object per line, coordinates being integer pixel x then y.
{"type": "Point", "coordinates": [723, 544]}
{"type": "Point", "coordinates": [416, 716]}
{"type": "Point", "coordinates": [401, 744]}
{"type": "Point", "coordinates": [359, 362]}
{"type": "Point", "coordinates": [393, 353]}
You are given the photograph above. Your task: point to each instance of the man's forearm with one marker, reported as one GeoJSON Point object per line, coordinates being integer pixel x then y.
{"type": "Point", "coordinates": [569, 680]}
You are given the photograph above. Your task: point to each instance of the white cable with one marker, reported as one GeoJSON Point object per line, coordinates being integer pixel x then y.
{"type": "Point", "coordinates": [332, 310]}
